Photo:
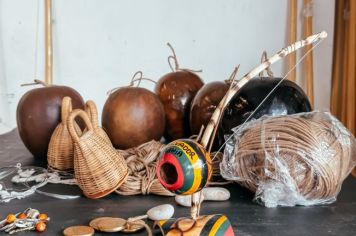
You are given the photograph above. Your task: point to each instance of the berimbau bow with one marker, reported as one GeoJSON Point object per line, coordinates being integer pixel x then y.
{"type": "Point", "coordinates": [236, 85]}
{"type": "Point", "coordinates": [211, 128]}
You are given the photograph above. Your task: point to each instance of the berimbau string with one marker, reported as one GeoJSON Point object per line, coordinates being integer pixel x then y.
{"type": "Point", "coordinates": [268, 95]}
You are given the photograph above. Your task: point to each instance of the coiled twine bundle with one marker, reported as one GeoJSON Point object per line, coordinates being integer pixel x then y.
{"type": "Point", "coordinates": [142, 162]}
{"type": "Point", "coordinates": [302, 157]}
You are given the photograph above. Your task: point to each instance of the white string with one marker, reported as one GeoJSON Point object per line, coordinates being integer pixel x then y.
{"type": "Point", "coordinates": [32, 174]}
{"type": "Point", "coordinates": [6, 195]}
{"type": "Point", "coordinates": [268, 95]}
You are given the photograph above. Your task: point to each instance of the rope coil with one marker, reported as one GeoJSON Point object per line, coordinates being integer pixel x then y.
{"type": "Point", "coordinates": [305, 156]}
{"type": "Point", "coordinates": [141, 162]}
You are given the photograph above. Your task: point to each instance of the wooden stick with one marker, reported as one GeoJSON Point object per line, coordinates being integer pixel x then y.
{"type": "Point", "coordinates": [239, 84]}
{"type": "Point", "coordinates": [292, 36]}
{"type": "Point", "coordinates": [351, 71]}
{"type": "Point", "coordinates": [48, 43]}
{"type": "Point", "coordinates": [308, 63]}
{"type": "Point", "coordinates": [338, 62]}
{"type": "Point", "coordinates": [194, 210]}
{"type": "Point", "coordinates": [346, 52]}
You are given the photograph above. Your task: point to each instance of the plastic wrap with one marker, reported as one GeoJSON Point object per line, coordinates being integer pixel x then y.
{"type": "Point", "coordinates": [290, 160]}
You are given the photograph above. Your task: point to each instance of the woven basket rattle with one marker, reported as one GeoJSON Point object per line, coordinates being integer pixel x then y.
{"type": "Point", "coordinates": [92, 112]}
{"type": "Point", "coordinates": [60, 149]}
{"type": "Point", "coordinates": [99, 168]}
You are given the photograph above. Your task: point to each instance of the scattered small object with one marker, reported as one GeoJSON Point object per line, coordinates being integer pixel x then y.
{"type": "Point", "coordinates": [29, 220]}
{"type": "Point", "coordinates": [10, 218]}
{"type": "Point", "coordinates": [113, 225]}
{"type": "Point", "coordinates": [42, 216]}
{"type": "Point", "coordinates": [108, 224]}
{"type": "Point", "coordinates": [209, 194]}
{"type": "Point", "coordinates": [216, 194]}
{"type": "Point", "coordinates": [41, 226]}
{"type": "Point", "coordinates": [133, 224]}
{"type": "Point", "coordinates": [79, 230]}
{"type": "Point", "coordinates": [22, 216]}
{"type": "Point", "coordinates": [32, 213]}
{"type": "Point", "coordinates": [161, 212]}
{"type": "Point", "coordinates": [137, 225]}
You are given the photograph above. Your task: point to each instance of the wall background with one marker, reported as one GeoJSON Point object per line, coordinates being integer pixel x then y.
{"type": "Point", "coordinates": [99, 45]}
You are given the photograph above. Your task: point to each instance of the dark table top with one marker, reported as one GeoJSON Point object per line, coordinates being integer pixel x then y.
{"type": "Point", "coordinates": [247, 217]}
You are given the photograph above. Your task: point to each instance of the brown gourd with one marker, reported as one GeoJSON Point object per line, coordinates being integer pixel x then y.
{"type": "Point", "coordinates": [133, 116]}
{"type": "Point", "coordinates": [38, 114]}
{"type": "Point", "coordinates": [176, 90]}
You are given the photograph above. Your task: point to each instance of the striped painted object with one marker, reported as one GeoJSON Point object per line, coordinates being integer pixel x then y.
{"type": "Point", "coordinates": [210, 225]}
{"type": "Point", "coordinates": [184, 167]}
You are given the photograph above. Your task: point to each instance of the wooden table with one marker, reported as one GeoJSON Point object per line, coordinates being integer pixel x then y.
{"type": "Point", "coordinates": [247, 217]}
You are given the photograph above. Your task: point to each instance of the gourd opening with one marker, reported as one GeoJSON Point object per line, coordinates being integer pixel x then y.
{"type": "Point", "coordinates": [169, 173]}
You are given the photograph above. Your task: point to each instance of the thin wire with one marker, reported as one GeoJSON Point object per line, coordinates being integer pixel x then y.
{"type": "Point", "coordinates": [268, 95]}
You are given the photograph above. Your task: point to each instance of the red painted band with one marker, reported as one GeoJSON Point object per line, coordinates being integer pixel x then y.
{"type": "Point", "coordinates": [229, 232]}
{"type": "Point", "coordinates": [169, 158]}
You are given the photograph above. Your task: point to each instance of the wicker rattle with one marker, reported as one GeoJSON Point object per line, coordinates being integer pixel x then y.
{"type": "Point", "coordinates": [99, 168]}
{"type": "Point", "coordinates": [60, 149]}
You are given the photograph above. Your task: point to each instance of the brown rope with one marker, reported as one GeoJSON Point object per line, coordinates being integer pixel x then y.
{"type": "Point", "coordinates": [142, 162]}
{"type": "Point", "coordinates": [137, 77]}
{"type": "Point", "coordinates": [264, 58]}
{"type": "Point", "coordinates": [36, 82]}
{"type": "Point", "coordinates": [176, 66]}
{"type": "Point", "coordinates": [315, 152]}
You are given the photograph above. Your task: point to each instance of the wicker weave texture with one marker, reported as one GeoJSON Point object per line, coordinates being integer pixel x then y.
{"type": "Point", "coordinates": [99, 168]}
{"type": "Point", "coordinates": [60, 153]}
{"type": "Point", "coordinates": [92, 112]}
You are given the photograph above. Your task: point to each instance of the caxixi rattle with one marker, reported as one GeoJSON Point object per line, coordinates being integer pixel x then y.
{"type": "Point", "coordinates": [184, 168]}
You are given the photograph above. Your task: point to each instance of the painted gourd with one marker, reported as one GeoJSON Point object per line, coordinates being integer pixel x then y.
{"type": "Point", "coordinates": [184, 167]}
{"type": "Point", "coordinates": [288, 98]}
{"type": "Point", "coordinates": [212, 225]}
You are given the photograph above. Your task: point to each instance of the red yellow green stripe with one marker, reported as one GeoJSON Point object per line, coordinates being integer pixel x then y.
{"type": "Point", "coordinates": [193, 157]}
{"type": "Point", "coordinates": [220, 226]}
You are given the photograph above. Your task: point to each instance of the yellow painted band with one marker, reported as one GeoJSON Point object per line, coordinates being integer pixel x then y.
{"type": "Point", "coordinates": [195, 162]}
{"type": "Point", "coordinates": [161, 222]}
{"type": "Point", "coordinates": [217, 225]}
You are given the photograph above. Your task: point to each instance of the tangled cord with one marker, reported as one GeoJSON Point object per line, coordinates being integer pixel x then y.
{"type": "Point", "coordinates": [141, 162]}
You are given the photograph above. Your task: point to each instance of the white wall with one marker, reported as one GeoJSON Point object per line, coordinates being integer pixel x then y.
{"type": "Point", "coordinates": [99, 45]}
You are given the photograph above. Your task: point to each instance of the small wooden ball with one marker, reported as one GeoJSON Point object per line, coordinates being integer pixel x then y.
{"type": "Point", "coordinates": [184, 167]}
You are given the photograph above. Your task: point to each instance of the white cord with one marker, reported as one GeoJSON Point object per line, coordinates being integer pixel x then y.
{"type": "Point", "coordinates": [32, 174]}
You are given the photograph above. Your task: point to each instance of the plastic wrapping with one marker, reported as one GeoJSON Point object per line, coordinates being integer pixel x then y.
{"type": "Point", "coordinates": [290, 160]}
